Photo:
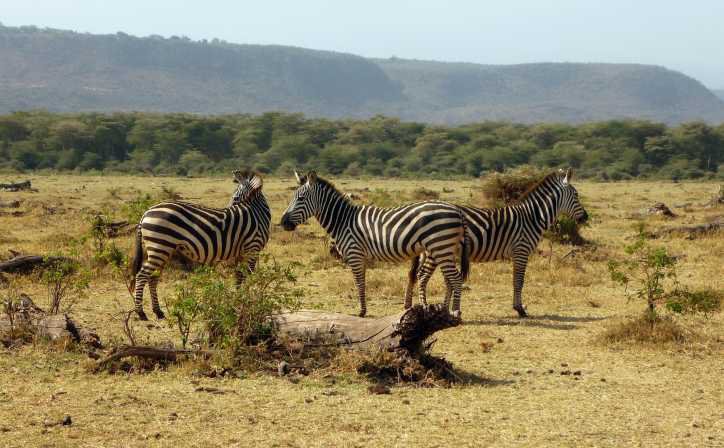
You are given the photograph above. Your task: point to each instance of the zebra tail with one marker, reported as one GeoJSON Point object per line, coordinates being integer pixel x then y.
{"type": "Point", "coordinates": [137, 257]}
{"type": "Point", "coordinates": [465, 255]}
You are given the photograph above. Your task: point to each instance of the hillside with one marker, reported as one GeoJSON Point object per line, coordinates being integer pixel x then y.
{"type": "Point", "coordinates": [66, 71]}
{"type": "Point", "coordinates": [719, 93]}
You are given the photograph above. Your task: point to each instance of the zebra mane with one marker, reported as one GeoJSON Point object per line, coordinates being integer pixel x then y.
{"type": "Point", "coordinates": [554, 176]}
{"type": "Point", "coordinates": [324, 183]}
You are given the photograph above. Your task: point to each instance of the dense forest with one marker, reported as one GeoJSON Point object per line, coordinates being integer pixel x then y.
{"type": "Point", "coordinates": [64, 71]}
{"type": "Point", "coordinates": [185, 144]}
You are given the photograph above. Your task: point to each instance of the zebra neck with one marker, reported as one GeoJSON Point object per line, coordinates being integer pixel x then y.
{"type": "Point", "coordinates": [542, 208]}
{"type": "Point", "coordinates": [335, 214]}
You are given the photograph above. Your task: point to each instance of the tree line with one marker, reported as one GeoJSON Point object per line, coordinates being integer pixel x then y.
{"type": "Point", "coordinates": [277, 143]}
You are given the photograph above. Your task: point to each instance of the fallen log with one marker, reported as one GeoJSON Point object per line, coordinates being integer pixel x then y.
{"type": "Point", "coordinates": [9, 204]}
{"type": "Point", "coordinates": [17, 186]}
{"type": "Point", "coordinates": [26, 263]}
{"type": "Point", "coordinates": [692, 231]}
{"type": "Point", "coordinates": [406, 330]}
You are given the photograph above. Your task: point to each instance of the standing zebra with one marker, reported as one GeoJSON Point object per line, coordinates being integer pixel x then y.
{"type": "Point", "coordinates": [202, 234]}
{"type": "Point", "coordinates": [365, 232]}
{"type": "Point", "coordinates": [511, 232]}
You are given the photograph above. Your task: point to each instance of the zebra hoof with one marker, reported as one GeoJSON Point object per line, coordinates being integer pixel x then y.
{"type": "Point", "coordinates": [362, 313]}
{"type": "Point", "coordinates": [521, 311]}
{"type": "Point", "coordinates": [141, 315]}
{"type": "Point", "coordinates": [159, 315]}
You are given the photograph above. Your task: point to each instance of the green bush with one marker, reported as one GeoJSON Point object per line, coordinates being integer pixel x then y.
{"type": "Point", "coordinates": [705, 301]}
{"type": "Point", "coordinates": [232, 316]}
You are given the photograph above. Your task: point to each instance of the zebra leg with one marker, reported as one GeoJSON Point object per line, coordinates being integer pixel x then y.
{"type": "Point", "coordinates": [358, 270]}
{"type": "Point", "coordinates": [428, 268]}
{"type": "Point", "coordinates": [520, 261]}
{"type": "Point", "coordinates": [412, 279]}
{"type": "Point", "coordinates": [454, 281]}
{"type": "Point", "coordinates": [142, 278]}
{"type": "Point", "coordinates": [153, 288]}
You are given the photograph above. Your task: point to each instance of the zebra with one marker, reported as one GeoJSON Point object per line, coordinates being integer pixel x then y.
{"type": "Point", "coordinates": [364, 232]}
{"type": "Point", "coordinates": [511, 232]}
{"type": "Point", "coordinates": [206, 235]}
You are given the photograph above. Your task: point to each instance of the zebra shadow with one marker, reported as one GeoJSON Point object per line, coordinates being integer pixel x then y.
{"type": "Point", "coordinates": [548, 321]}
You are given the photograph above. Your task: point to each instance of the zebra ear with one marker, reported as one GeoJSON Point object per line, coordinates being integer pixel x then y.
{"type": "Point", "coordinates": [568, 176]}
{"type": "Point", "coordinates": [312, 177]}
{"type": "Point", "coordinates": [300, 179]}
{"type": "Point", "coordinates": [237, 176]}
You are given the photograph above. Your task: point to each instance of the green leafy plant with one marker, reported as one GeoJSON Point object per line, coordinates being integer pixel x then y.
{"type": "Point", "coordinates": [233, 316]}
{"type": "Point", "coordinates": [65, 278]}
{"type": "Point", "coordinates": [649, 273]}
{"type": "Point", "coordinates": [134, 208]}
{"type": "Point", "coordinates": [705, 301]}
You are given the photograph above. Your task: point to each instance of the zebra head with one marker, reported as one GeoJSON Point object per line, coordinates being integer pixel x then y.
{"type": "Point", "coordinates": [304, 203]}
{"type": "Point", "coordinates": [569, 202]}
{"type": "Point", "coordinates": [249, 185]}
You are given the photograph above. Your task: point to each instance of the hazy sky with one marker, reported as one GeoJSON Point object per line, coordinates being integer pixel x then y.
{"type": "Point", "coordinates": [683, 35]}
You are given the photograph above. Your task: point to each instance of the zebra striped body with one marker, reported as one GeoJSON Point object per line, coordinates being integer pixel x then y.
{"type": "Point", "coordinates": [363, 233]}
{"type": "Point", "coordinates": [202, 234]}
{"type": "Point", "coordinates": [513, 232]}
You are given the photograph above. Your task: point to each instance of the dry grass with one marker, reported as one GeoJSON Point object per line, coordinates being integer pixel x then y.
{"type": "Point", "coordinates": [624, 394]}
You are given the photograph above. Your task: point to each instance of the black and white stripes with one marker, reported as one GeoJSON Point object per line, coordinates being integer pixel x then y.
{"type": "Point", "coordinates": [513, 232]}
{"type": "Point", "coordinates": [362, 232]}
{"type": "Point", "coordinates": [202, 234]}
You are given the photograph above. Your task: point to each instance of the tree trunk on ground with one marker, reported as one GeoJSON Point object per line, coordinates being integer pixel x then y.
{"type": "Point", "coordinates": [405, 330]}
{"type": "Point", "coordinates": [26, 263]}
{"type": "Point", "coordinates": [692, 231]}
{"type": "Point", "coordinates": [9, 204]}
{"type": "Point", "coordinates": [16, 186]}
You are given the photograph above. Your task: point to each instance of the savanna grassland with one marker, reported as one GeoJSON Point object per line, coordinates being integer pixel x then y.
{"type": "Point", "coordinates": [626, 394]}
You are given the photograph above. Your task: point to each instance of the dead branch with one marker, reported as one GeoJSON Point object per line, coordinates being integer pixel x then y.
{"type": "Point", "coordinates": [9, 204]}
{"type": "Point", "coordinates": [148, 352]}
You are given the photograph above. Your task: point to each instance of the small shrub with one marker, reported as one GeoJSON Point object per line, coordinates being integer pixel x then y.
{"type": "Point", "coordinates": [424, 194]}
{"type": "Point", "coordinates": [66, 280]}
{"type": "Point", "coordinates": [235, 316]}
{"type": "Point", "coordinates": [649, 328]}
{"type": "Point", "coordinates": [649, 273]}
{"type": "Point", "coordinates": [501, 189]}
{"type": "Point", "coordinates": [705, 301]}
{"type": "Point", "coordinates": [134, 208]}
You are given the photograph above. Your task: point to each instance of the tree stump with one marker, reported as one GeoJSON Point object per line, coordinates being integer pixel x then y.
{"type": "Point", "coordinates": [660, 209]}
{"type": "Point", "coordinates": [406, 330]}
{"type": "Point", "coordinates": [25, 317]}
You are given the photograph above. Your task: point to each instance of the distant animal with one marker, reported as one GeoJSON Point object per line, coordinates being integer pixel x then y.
{"type": "Point", "coordinates": [202, 234]}
{"type": "Point", "coordinates": [511, 232]}
{"type": "Point", "coordinates": [365, 232]}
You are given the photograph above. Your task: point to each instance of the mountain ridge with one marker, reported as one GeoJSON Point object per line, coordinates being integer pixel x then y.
{"type": "Point", "coordinates": [66, 71]}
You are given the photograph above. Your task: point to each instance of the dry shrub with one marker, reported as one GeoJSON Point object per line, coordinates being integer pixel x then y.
{"type": "Point", "coordinates": [504, 189]}
{"type": "Point", "coordinates": [649, 328]}
{"type": "Point", "coordinates": [399, 367]}
{"type": "Point", "coordinates": [501, 189]}
{"type": "Point", "coordinates": [424, 194]}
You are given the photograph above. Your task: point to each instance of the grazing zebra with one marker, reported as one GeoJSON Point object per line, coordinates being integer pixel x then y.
{"type": "Point", "coordinates": [365, 232]}
{"type": "Point", "coordinates": [202, 234]}
{"type": "Point", "coordinates": [511, 232]}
